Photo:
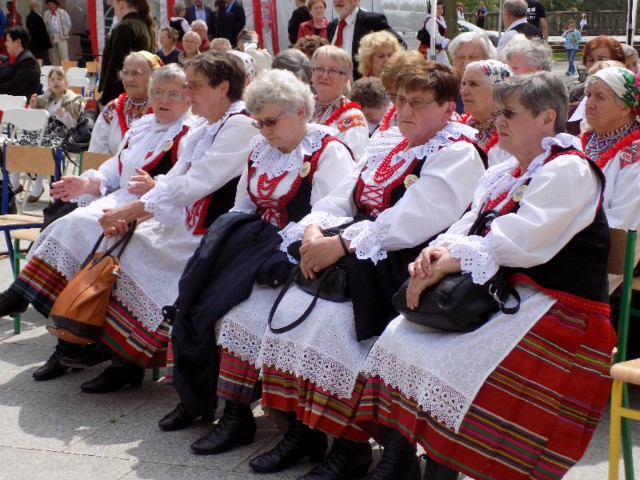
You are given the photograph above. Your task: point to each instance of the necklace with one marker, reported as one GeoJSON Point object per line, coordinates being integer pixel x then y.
{"type": "Point", "coordinates": [614, 149]}
{"type": "Point", "coordinates": [267, 186]}
{"type": "Point", "coordinates": [385, 170]}
{"type": "Point", "coordinates": [386, 120]}
{"type": "Point", "coordinates": [137, 110]}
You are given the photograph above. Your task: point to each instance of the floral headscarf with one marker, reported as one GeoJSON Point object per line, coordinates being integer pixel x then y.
{"type": "Point", "coordinates": [152, 59]}
{"type": "Point", "coordinates": [625, 85]}
{"type": "Point", "coordinates": [495, 71]}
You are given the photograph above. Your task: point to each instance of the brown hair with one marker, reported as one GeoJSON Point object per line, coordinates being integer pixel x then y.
{"type": "Point", "coordinates": [443, 82]}
{"type": "Point", "coordinates": [142, 7]}
{"type": "Point", "coordinates": [396, 62]}
{"type": "Point", "coordinates": [217, 67]}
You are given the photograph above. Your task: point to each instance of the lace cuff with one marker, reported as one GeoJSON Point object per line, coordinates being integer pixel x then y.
{"type": "Point", "coordinates": [86, 198]}
{"type": "Point", "coordinates": [295, 231]}
{"type": "Point", "coordinates": [474, 254]}
{"type": "Point", "coordinates": [159, 202]}
{"type": "Point", "coordinates": [364, 238]}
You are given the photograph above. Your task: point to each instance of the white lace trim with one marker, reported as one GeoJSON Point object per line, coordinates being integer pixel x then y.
{"type": "Point", "coordinates": [141, 127]}
{"type": "Point", "coordinates": [161, 205]}
{"type": "Point", "coordinates": [57, 255]}
{"type": "Point", "coordinates": [240, 341]}
{"type": "Point", "coordinates": [474, 253]}
{"type": "Point", "coordinates": [310, 364]}
{"type": "Point", "coordinates": [294, 232]}
{"type": "Point", "coordinates": [274, 162]}
{"type": "Point", "coordinates": [364, 238]}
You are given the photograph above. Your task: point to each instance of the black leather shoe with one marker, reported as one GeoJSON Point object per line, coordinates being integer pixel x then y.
{"type": "Point", "coordinates": [299, 442]}
{"type": "Point", "coordinates": [179, 418]}
{"type": "Point", "coordinates": [347, 460]}
{"type": "Point", "coordinates": [114, 378]}
{"type": "Point", "coordinates": [236, 427]}
{"type": "Point", "coordinates": [53, 368]}
{"type": "Point", "coordinates": [437, 471]}
{"type": "Point", "coordinates": [399, 460]}
{"type": "Point", "coordinates": [12, 303]}
{"type": "Point", "coordinates": [89, 356]}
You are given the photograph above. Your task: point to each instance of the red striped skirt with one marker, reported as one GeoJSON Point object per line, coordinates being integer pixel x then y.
{"type": "Point", "coordinates": [535, 414]}
{"type": "Point", "coordinates": [314, 406]}
{"type": "Point", "coordinates": [238, 379]}
{"type": "Point", "coordinates": [41, 283]}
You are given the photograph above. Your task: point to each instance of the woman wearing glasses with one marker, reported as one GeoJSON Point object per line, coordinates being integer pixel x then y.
{"type": "Point", "coordinates": [114, 120]}
{"type": "Point", "coordinates": [330, 77]}
{"type": "Point", "coordinates": [409, 187]}
{"type": "Point", "coordinates": [191, 42]}
{"type": "Point", "coordinates": [292, 165]}
{"type": "Point", "coordinates": [520, 397]}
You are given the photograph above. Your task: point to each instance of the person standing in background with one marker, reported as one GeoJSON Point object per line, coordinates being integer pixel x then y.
{"type": "Point", "coordinates": [583, 23]}
{"type": "Point", "coordinates": [198, 11]}
{"type": "Point", "coordinates": [58, 25]}
{"type": "Point", "coordinates": [300, 15]}
{"type": "Point", "coordinates": [572, 39]}
{"type": "Point", "coordinates": [480, 14]}
{"type": "Point", "coordinates": [460, 12]}
{"type": "Point", "coordinates": [537, 16]}
{"type": "Point", "coordinates": [135, 31]}
{"type": "Point", "coordinates": [179, 23]}
{"type": "Point", "coordinates": [40, 43]}
{"type": "Point", "coordinates": [240, 19]}
{"type": "Point", "coordinates": [222, 23]}
{"type": "Point", "coordinates": [13, 17]}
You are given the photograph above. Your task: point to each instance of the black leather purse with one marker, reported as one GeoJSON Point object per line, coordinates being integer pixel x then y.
{"type": "Point", "coordinates": [455, 303]}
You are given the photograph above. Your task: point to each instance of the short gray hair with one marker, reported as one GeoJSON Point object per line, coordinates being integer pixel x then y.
{"type": "Point", "coordinates": [295, 61]}
{"type": "Point", "coordinates": [199, 22]}
{"type": "Point", "coordinates": [167, 73]}
{"type": "Point", "coordinates": [470, 37]}
{"type": "Point", "coordinates": [336, 54]}
{"type": "Point", "coordinates": [536, 92]}
{"type": "Point", "coordinates": [516, 8]}
{"type": "Point", "coordinates": [281, 87]}
{"type": "Point", "coordinates": [223, 42]}
{"type": "Point", "coordinates": [536, 52]}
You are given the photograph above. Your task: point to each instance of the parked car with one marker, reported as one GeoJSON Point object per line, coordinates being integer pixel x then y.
{"type": "Point", "coordinates": [464, 26]}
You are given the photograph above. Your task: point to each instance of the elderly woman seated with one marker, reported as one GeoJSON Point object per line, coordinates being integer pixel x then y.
{"type": "Point", "coordinates": [173, 214]}
{"type": "Point", "coordinates": [527, 55]}
{"type": "Point", "coordinates": [479, 395]}
{"type": "Point", "coordinates": [469, 47]}
{"type": "Point", "coordinates": [296, 62]}
{"type": "Point", "coordinates": [118, 115]}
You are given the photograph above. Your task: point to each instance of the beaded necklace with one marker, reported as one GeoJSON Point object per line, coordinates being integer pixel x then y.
{"type": "Point", "coordinates": [626, 140]}
{"type": "Point", "coordinates": [386, 120]}
{"type": "Point", "coordinates": [385, 170]}
{"type": "Point", "coordinates": [140, 109]}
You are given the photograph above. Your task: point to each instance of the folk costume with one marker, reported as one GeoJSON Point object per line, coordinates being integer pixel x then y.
{"type": "Point", "coordinates": [441, 40]}
{"type": "Point", "coordinates": [282, 188]}
{"type": "Point", "coordinates": [348, 120]}
{"type": "Point", "coordinates": [399, 199]}
{"type": "Point", "coordinates": [520, 397]}
{"type": "Point", "coordinates": [114, 121]}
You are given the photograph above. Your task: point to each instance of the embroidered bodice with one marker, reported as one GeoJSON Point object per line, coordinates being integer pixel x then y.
{"type": "Point", "coordinates": [125, 111]}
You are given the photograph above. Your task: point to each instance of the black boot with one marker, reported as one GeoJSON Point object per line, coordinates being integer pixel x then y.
{"type": "Point", "coordinates": [12, 303]}
{"type": "Point", "coordinates": [236, 427]}
{"type": "Point", "coordinates": [114, 378]}
{"type": "Point", "coordinates": [347, 460]}
{"type": "Point", "coordinates": [180, 418]}
{"type": "Point", "coordinates": [53, 368]}
{"type": "Point", "coordinates": [299, 442]}
{"type": "Point", "coordinates": [89, 356]}
{"type": "Point", "coordinates": [437, 471]}
{"type": "Point", "coordinates": [399, 460]}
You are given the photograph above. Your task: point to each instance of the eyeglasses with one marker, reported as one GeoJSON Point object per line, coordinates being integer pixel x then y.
{"type": "Point", "coordinates": [173, 96]}
{"type": "Point", "coordinates": [331, 72]}
{"type": "Point", "coordinates": [132, 73]}
{"type": "Point", "coordinates": [506, 113]}
{"type": "Point", "coordinates": [414, 103]}
{"type": "Point", "coordinates": [269, 122]}
{"type": "Point", "coordinates": [192, 86]}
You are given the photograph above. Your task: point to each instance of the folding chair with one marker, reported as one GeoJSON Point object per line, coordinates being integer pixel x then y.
{"type": "Point", "coordinates": [78, 84]}
{"type": "Point", "coordinates": [76, 72]}
{"type": "Point", "coordinates": [66, 64]}
{"type": "Point", "coordinates": [7, 102]}
{"type": "Point", "coordinates": [621, 262]}
{"type": "Point", "coordinates": [45, 70]}
{"type": "Point", "coordinates": [19, 120]}
{"type": "Point", "coordinates": [41, 160]}
{"type": "Point", "coordinates": [91, 161]}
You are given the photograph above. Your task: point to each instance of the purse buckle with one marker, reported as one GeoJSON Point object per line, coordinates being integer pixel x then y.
{"type": "Point", "coordinates": [493, 291]}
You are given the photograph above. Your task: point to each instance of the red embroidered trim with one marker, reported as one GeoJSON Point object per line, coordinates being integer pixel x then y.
{"type": "Point", "coordinates": [573, 300]}
{"type": "Point", "coordinates": [339, 111]}
{"type": "Point", "coordinates": [490, 143]}
{"type": "Point", "coordinates": [122, 120]}
{"type": "Point", "coordinates": [174, 151]}
{"type": "Point", "coordinates": [615, 148]}
{"type": "Point", "coordinates": [385, 171]}
{"type": "Point", "coordinates": [465, 117]}
{"type": "Point", "coordinates": [386, 120]}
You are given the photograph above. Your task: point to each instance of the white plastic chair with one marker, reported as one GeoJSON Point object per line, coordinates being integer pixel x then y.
{"type": "Point", "coordinates": [12, 101]}
{"type": "Point", "coordinates": [78, 84]}
{"type": "Point", "coordinates": [76, 72]}
{"type": "Point", "coordinates": [45, 69]}
{"type": "Point", "coordinates": [18, 120]}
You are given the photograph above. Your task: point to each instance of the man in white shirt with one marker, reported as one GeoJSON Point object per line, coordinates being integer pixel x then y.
{"type": "Point", "coordinates": [515, 21]}
{"type": "Point", "coordinates": [58, 25]}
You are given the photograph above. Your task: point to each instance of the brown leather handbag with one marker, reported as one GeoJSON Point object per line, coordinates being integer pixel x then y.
{"type": "Point", "coordinates": [80, 310]}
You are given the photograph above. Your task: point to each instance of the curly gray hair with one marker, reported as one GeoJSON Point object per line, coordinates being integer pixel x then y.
{"type": "Point", "coordinates": [536, 52]}
{"type": "Point", "coordinates": [281, 87]}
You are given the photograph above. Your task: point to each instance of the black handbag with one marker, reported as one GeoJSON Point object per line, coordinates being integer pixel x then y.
{"type": "Point", "coordinates": [456, 303]}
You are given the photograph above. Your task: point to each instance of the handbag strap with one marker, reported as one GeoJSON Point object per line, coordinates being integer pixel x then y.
{"type": "Point", "coordinates": [292, 276]}
{"type": "Point", "coordinates": [122, 242]}
{"type": "Point", "coordinates": [482, 221]}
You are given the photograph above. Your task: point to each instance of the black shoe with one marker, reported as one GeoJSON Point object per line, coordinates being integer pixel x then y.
{"type": "Point", "coordinates": [12, 303]}
{"type": "Point", "coordinates": [399, 460]}
{"type": "Point", "coordinates": [236, 427]}
{"type": "Point", "coordinates": [114, 378]}
{"type": "Point", "coordinates": [299, 442]}
{"type": "Point", "coordinates": [180, 418]}
{"type": "Point", "coordinates": [53, 368]}
{"type": "Point", "coordinates": [89, 356]}
{"type": "Point", "coordinates": [347, 460]}
{"type": "Point", "coordinates": [437, 471]}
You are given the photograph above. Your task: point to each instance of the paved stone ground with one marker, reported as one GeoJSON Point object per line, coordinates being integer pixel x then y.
{"type": "Point", "coordinates": [51, 430]}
